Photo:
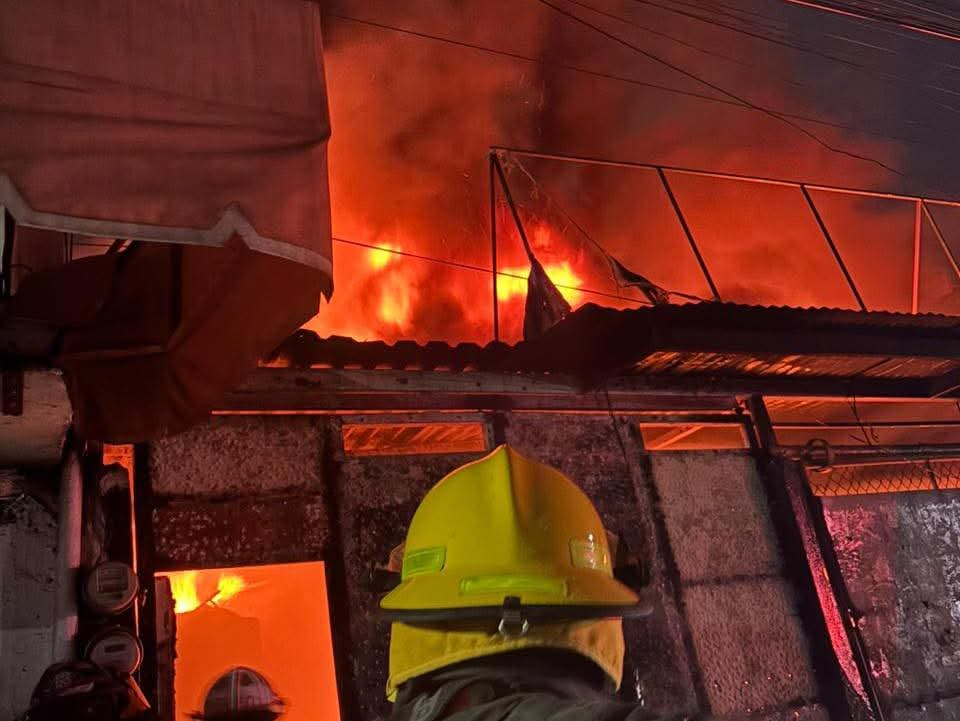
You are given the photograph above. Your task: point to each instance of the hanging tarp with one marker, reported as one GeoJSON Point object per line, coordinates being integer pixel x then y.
{"type": "Point", "coordinates": [199, 123]}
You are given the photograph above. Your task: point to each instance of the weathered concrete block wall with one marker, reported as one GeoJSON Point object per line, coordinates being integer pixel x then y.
{"type": "Point", "coordinates": [240, 490]}
{"type": "Point", "coordinates": [900, 558]}
{"type": "Point", "coordinates": [724, 640]}
{"type": "Point", "coordinates": [378, 497]}
{"type": "Point", "coordinates": [28, 541]}
{"type": "Point", "coordinates": [749, 643]}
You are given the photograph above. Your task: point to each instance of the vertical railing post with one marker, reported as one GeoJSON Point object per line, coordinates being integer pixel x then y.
{"type": "Point", "coordinates": [688, 233]}
{"type": "Point", "coordinates": [833, 247]}
{"type": "Point", "coordinates": [915, 297]}
{"type": "Point", "coordinates": [951, 258]}
{"type": "Point", "coordinates": [493, 244]}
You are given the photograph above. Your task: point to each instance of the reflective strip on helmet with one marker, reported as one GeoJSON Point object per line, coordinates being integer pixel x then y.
{"type": "Point", "coordinates": [424, 560]}
{"type": "Point", "coordinates": [513, 583]}
{"type": "Point", "coordinates": [589, 554]}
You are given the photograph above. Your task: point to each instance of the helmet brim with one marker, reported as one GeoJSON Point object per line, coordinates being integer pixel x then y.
{"type": "Point", "coordinates": [582, 593]}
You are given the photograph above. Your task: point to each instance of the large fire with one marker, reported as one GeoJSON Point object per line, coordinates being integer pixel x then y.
{"type": "Point", "coordinates": [184, 586]}
{"type": "Point", "coordinates": [391, 291]}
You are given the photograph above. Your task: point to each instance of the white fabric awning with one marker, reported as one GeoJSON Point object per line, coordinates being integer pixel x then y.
{"type": "Point", "coordinates": [168, 120]}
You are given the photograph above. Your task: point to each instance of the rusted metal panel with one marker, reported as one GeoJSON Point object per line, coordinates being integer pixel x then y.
{"type": "Point", "coordinates": [898, 555]}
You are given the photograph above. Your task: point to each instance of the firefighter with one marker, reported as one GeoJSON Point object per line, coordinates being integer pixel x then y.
{"type": "Point", "coordinates": [507, 607]}
{"type": "Point", "coordinates": [83, 691]}
{"type": "Point", "coordinates": [240, 694]}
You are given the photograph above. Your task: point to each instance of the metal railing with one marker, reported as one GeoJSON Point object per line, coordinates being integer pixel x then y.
{"type": "Point", "coordinates": [664, 173]}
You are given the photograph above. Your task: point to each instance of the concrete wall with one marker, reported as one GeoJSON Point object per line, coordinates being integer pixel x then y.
{"type": "Point", "coordinates": [724, 641]}
{"type": "Point", "coordinates": [28, 540]}
{"type": "Point", "coordinates": [900, 558]}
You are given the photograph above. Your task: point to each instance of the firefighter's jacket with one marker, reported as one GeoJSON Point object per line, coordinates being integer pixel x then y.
{"type": "Point", "coordinates": [516, 689]}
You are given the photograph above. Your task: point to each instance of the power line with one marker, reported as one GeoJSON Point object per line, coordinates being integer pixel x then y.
{"type": "Point", "coordinates": [667, 36]}
{"type": "Point", "coordinates": [478, 268]}
{"type": "Point", "coordinates": [864, 14]}
{"type": "Point", "coordinates": [858, 67]}
{"type": "Point", "coordinates": [713, 86]}
{"type": "Point", "coordinates": [761, 23]}
{"type": "Point", "coordinates": [612, 77]}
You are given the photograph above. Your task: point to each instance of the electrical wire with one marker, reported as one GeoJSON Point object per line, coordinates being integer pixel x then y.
{"type": "Point", "coordinates": [763, 22]}
{"type": "Point", "coordinates": [859, 13]}
{"type": "Point", "coordinates": [480, 269]}
{"type": "Point", "coordinates": [865, 70]}
{"type": "Point", "coordinates": [616, 78]}
{"type": "Point", "coordinates": [668, 36]}
{"type": "Point", "coordinates": [713, 86]}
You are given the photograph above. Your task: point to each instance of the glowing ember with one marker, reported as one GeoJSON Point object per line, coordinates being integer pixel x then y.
{"type": "Point", "coordinates": [512, 282]}
{"type": "Point", "coordinates": [187, 595]}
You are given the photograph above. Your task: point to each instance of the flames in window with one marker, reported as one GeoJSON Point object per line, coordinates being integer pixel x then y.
{"type": "Point", "coordinates": [273, 619]}
{"type": "Point", "coordinates": [187, 595]}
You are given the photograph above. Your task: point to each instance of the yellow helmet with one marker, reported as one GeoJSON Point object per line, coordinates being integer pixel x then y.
{"type": "Point", "coordinates": [505, 553]}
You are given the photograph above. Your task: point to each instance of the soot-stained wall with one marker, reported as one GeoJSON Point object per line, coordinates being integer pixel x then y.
{"type": "Point", "coordinates": [724, 641]}
{"type": "Point", "coordinates": [28, 544]}
{"type": "Point", "coordinates": [900, 559]}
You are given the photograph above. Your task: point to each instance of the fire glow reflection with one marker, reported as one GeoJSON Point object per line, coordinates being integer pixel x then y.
{"type": "Point", "coordinates": [273, 619]}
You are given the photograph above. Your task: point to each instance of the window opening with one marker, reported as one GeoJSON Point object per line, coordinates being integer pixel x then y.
{"type": "Point", "coordinates": [273, 619]}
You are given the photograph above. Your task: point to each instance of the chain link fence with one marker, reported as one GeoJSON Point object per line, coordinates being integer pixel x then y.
{"type": "Point", "coordinates": [885, 477]}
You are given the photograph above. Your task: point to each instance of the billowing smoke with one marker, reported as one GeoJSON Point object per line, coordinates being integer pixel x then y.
{"type": "Point", "coordinates": [713, 85]}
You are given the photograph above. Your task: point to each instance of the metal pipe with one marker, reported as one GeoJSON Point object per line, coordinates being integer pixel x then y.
{"type": "Point", "coordinates": [675, 204]}
{"type": "Point", "coordinates": [587, 160]}
{"type": "Point", "coordinates": [513, 207]}
{"type": "Point", "coordinates": [833, 247]}
{"type": "Point", "coordinates": [845, 425]}
{"type": "Point", "coordinates": [881, 455]}
{"type": "Point", "coordinates": [917, 227]}
{"type": "Point", "coordinates": [493, 245]}
{"type": "Point", "coordinates": [68, 557]}
{"type": "Point", "coordinates": [941, 239]}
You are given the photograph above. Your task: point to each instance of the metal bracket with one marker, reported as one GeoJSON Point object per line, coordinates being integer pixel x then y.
{"type": "Point", "coordinates": [512, 622]}
{"type": "Point", "coordinates": [11, 393]}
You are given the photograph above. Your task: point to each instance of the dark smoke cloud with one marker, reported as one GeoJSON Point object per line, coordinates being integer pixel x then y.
{"type": "Point", "coordinates": [413, 119]}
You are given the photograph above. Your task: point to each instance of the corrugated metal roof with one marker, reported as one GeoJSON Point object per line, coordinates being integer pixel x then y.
{"type": "Point", "coordinates": [705, 340]}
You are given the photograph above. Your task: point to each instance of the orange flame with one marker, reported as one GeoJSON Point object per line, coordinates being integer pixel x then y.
{"type": "Point", "coordinates": [228, 586]}
{"type": "Point", "coordinates": [512, 282]}
{"type": "Point", "coordinates": [385, 291]}
{"type": "Point", "coordinates": [186, 593]}
{"type": "Point", "coordinates": [183, 587]}
{"type": "Point", "coordinates": [396, 299]}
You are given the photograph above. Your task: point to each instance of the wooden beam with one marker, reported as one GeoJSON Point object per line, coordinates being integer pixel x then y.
{"type": "Point", "coordinates": [322, 391]}
{"type": "Point", "coordinates": [328, 390]}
